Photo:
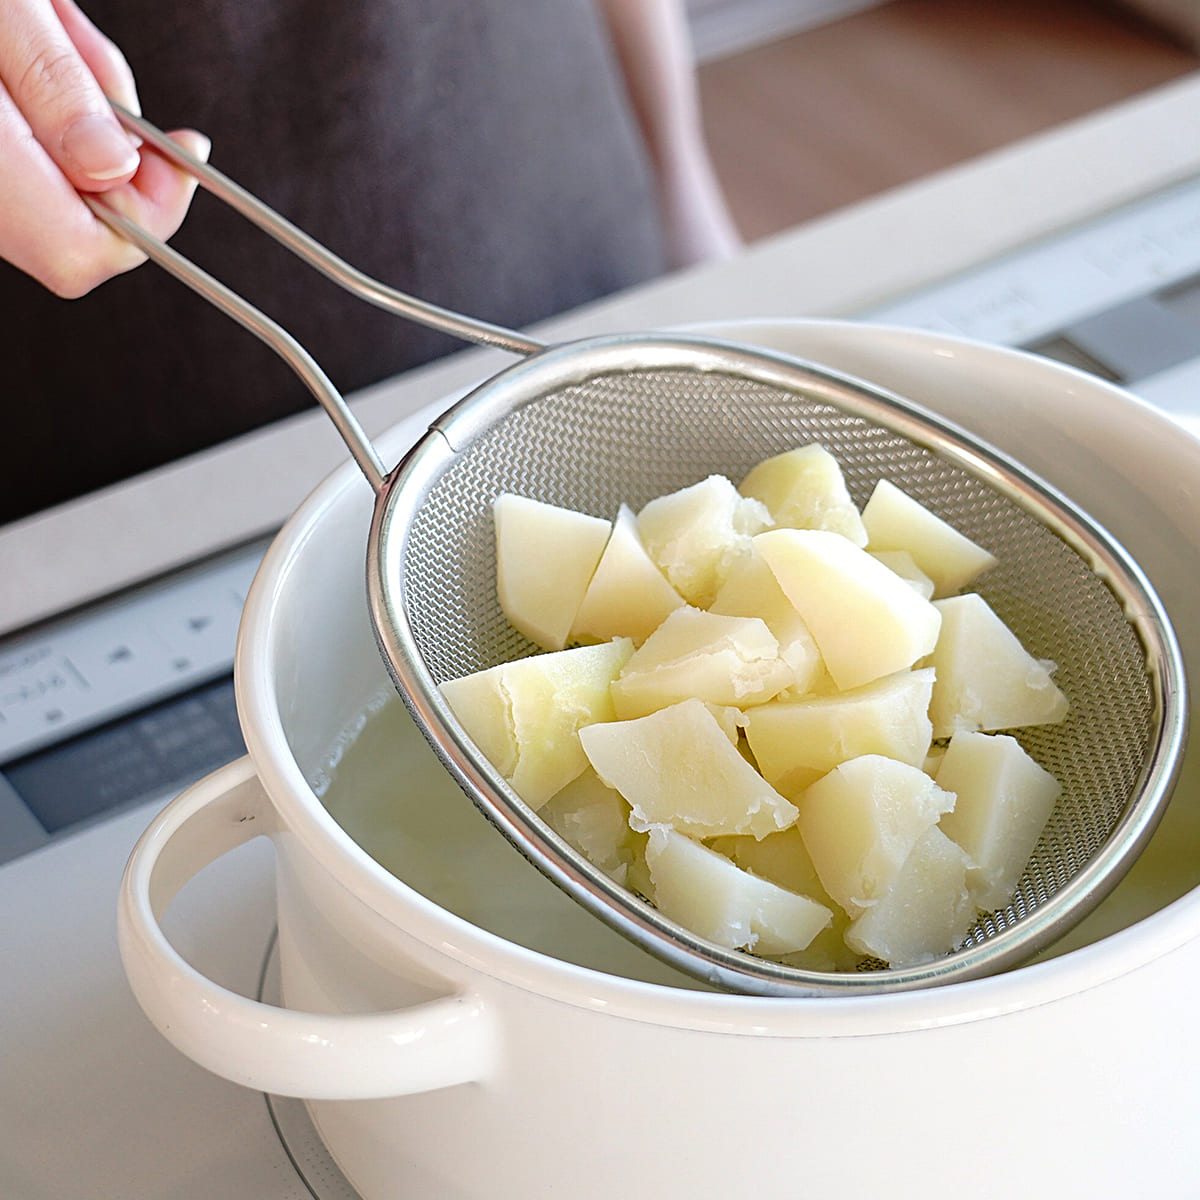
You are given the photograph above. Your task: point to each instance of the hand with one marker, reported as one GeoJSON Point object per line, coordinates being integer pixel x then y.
{"type": "Point", "coordinates": [58, 137]}
{"type": "Point", "coordinates": [654, 49]}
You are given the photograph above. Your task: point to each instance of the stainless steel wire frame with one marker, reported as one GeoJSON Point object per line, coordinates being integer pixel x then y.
{"type": "Point", "coordinates": [590, 426]}
{"type": "Point", "coordinates": [624, 418]}
{"type": "Point", "coordinates": [374, 292]}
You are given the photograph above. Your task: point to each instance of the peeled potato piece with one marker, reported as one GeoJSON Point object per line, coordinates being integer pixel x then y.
{"type": "Point", "coordinates": [986, 680]}
{"type": "Point", "coordinates": [595, 820]}
{"type": "Point", "coordinates": [628, 595]}
{"type": "Point", "coordinates": [706, 893]}
{"type": "Point", "coordinates": [698, 534]}
{"type": "Point", "coordinates": [678, 767]}
{"type": "Point", "coordinates": [729, 718]}
{"type": "Point", "coordinates": [545, 557]}
{"type": "Point", "coordinates": [693, 653]}
{"type": "Point", "coordinates": [525, 715]}
{"type": "Point", "coordinates": [804, 489]}
{"type": "Point", "coordinates": [796, 742]}
{"type": "Point", "coordinates": [861, 821]}
{"type": "Point", "coordinates": [926, 911]}
{"type": "Point", "coordinates": [751, 590]}
{"type": "Point", "coordinates": [867, 622]}
{"type": "Point", "coordinates": [905, 566]}
{"type": "Point", "coordinates": [1004, 800]}
{"type": "Point", "coordinates": [782, 859]}
{"type": "Point", "coordinates": [895, 521]}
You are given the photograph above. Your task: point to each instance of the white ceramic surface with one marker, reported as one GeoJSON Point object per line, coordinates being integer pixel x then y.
{"type": "Point", "coordinates": [502, 1073]}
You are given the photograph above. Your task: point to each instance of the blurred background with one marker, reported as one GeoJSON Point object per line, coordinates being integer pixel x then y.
{"type": "Point", "coordinates": [810, 105]}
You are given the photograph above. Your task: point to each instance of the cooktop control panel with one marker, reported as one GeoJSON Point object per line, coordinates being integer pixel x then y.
{"type": "Point", "coordinates": [1118, 296]}
{"type": "Point", "coordinates": [124, 700]}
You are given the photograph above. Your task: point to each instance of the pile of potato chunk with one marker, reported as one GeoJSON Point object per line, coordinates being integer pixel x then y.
{"type": "Point", "coordinates": [773, 715]}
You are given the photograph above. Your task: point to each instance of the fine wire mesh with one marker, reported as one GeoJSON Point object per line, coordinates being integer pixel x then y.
{"type": "Point", "coordinates": [628, 437]}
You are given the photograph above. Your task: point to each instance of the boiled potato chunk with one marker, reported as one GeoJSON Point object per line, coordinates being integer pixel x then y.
{"type": "Point", "coordinates": [804, 489]}
{"type": "Point", "coordinates": [828, 950]}
{"type": "Point", "coordinates": [545, 558]}
{"type": "Point", "coordinates": [594, 819]}
{"type": "Point", "coordinates": [867, 622]}
{"type": "Point", "coordinates": [729, 718]}
{"type": "Point", "coordinates": [895, 521]}
{"type": "Point", "coordinates": [905, 566]}
{"type": "Point", "coordinates": [678, 767]}
{"type": "Point", "coordinates": [752, 591]}
{"type": "Point", "coordinates": [706, 893]}
{"type": "Point", "coordinates": [693, 653]}
{"type": "Point", "coordinates": [796, 742]}
{"type": "Point", "coordinates": [780, 857]}
{"type": "Point", "coordinates": [698, 534]}
{"type": "Point", "coordinates": [525, 715]}
{"type": "Point", "coordinates": [986, 680]}
{"type": "Point", "coordinates": [783, 859]}
{"type": "Point", "coordinates": [861, 821]}
{"type": "Point", "coordinates": [925, 913]}
{"type": "Point", "coordinates": [1004, 800]}
{"type": "Point", "coordinates": [628, 595]}
{"type": "Point", "coordinates": [637, 875]}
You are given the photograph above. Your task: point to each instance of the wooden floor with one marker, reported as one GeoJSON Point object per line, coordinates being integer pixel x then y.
{"type": "Point", "coordinates": [848, 109]}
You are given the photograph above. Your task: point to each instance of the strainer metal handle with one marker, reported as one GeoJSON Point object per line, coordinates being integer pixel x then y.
{"type": "Point", "coordinates": [381, 295]}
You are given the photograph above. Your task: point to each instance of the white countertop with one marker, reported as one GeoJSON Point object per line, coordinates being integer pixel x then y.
{"type": "Point", "coordinates": [847, 262]}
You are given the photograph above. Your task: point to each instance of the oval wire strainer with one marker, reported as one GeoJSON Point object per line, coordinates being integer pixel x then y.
{"type": "Point", "coordinates": [623, 419]}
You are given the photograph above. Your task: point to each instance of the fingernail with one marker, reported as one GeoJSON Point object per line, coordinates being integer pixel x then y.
{"type": "Point", "coordinates": [99, 148]}
{"type": "Point", "coordinates": [203, 148]}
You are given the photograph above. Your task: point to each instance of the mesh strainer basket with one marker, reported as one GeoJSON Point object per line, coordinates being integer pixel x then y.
{"type": "Point", "coordinates": [627, 419]}
{"type": "Point", "coordinates": [618, 420]}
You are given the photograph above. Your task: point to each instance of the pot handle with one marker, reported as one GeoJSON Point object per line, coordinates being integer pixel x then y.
{"type": "Point", "coordinates": [315, 1056]}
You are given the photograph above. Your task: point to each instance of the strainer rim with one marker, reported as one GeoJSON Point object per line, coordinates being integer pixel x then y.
{"type": "Point", "coordinates": [456, 430]}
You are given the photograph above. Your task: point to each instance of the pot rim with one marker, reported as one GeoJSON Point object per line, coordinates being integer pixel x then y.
{"type": "Point", "coordinates": [302, 814]}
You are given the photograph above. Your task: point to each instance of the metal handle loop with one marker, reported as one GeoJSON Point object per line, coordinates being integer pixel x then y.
{"type": "Point", "coordinates": [258, 323]}
{"type": "Point", "coordinates": [317, 256]}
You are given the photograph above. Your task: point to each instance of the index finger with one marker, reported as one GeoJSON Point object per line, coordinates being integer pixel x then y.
{"type": "Point", "coordinates": [58, 95]}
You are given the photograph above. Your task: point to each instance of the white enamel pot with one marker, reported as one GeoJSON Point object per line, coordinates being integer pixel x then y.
{"type": "Point", "coordinates": [440, 1060]}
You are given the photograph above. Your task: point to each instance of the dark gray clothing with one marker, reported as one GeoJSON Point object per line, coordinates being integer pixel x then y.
{"type": "Point", "coordinates": [477, 153]}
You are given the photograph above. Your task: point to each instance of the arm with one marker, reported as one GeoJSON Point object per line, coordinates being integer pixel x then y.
{"type": "Point", "coordinates": [654, 50]}
{"type": "Point", "coordinates": [58, 137]}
